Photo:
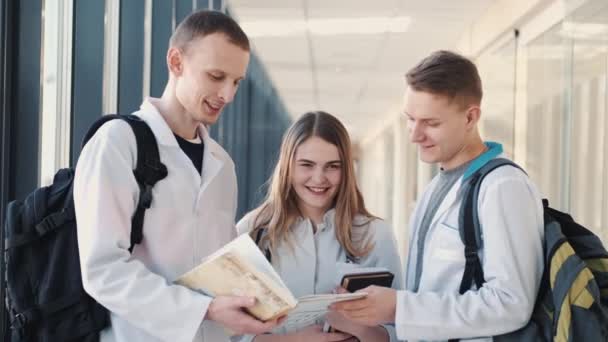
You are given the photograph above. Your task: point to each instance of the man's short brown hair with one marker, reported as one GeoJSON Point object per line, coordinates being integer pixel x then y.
{"type": "Point", "coordinates": [448, 74]}
{"type": "Point", "coordinates": [202, 23]}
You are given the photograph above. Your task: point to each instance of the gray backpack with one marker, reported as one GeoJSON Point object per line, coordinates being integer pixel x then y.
{"type": "Point", "coordinates": [572, 302]}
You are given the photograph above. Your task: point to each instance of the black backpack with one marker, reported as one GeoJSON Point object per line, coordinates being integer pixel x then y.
{"type": "Point", "coordinates": [572, 302]}
{"type": "Point", "coordinates": [45, 300]}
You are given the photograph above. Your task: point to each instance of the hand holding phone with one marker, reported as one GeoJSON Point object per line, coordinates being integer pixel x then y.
{"type": "Point", "coordinates": [357, 281]}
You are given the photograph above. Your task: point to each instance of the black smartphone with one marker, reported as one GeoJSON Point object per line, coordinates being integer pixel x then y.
{"type": "Point", "coordinates": [357, 281]}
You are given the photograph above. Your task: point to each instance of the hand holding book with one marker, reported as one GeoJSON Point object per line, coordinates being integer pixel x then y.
{"type": "Point", "coordinates": [228, 311]}
{"type": "Point", "coordinates": [240, 269]}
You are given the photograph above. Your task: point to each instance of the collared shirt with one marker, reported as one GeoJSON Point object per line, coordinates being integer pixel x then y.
{"type": "Point", "coordinates": [312, 263]}
{"type": "Point", "coordinates": [191, 216]}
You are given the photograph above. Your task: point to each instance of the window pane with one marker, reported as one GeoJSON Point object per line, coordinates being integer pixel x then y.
{"type": "Point", "coordinates": [547, 65]}
{"type": "Point", "coordinates": [497, 72]}
{"type": "Point", "coordinates": [588, 27]}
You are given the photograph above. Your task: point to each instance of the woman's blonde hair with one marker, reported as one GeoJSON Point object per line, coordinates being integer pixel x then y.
{"type": "Point", "coordinates": [279, 211]}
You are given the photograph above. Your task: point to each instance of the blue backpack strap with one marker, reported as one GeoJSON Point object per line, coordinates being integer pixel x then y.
{"type": "Point", "coordinates": [148, 171]}
{"type": "Point", "coordinates": [470, 230]}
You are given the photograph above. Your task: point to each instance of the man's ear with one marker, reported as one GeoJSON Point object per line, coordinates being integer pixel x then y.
{"type": "Point", "coordinates": [473, 116]}
{"type": "Point", "coordinates": [175, 61]}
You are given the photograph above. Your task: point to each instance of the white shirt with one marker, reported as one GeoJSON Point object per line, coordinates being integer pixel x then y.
{"type": "Point", "coordinates": [511, 218]}
{"type": "Point", "coordinates": [191, 216]}
{"type": "Point", "coordinates": [312, 263]}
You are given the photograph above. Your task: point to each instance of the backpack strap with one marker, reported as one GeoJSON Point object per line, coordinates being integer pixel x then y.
{"type": "Point", "coordinates": [470, 230]}
{"type": "Point", "coordinates": [148, 171]}
{"type": "Point", "coordinates": [258, 238]}
{"type": "Point", "coordinates": [469, 227]}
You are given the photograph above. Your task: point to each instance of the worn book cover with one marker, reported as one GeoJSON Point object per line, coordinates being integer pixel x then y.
{"type": "Point", "coordinates": [240, 268]}
{"type": "Point", "coordinates": [232, 271]}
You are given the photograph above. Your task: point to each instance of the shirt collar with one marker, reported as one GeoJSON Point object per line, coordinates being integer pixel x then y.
{"type": "Point", "coordinates": [162, 131]}
{"type": "Point", "coordinates": [150, 114]}
{"type": "Point", "coordinates": [493, 151]}
{"type": "Point", "coordinates": [328, 220]}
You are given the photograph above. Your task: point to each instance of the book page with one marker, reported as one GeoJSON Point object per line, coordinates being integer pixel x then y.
{"type": "Point", "coordinates": [247, 248]}
{"type": "Point", "coordinates": [314, 307]}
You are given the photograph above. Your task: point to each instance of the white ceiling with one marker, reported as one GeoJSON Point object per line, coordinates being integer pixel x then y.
{"type": "Point", "coordinates": [356, 77]}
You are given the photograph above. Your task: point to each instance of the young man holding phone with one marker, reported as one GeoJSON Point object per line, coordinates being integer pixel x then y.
{"type": "Point", "coordinates": [442, 104]}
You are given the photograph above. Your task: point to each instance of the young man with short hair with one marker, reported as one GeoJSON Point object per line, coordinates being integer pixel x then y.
{"type": "Point", "coordinates": [442, 104]}
{"type": "Point", "coordinates": [193, 208]}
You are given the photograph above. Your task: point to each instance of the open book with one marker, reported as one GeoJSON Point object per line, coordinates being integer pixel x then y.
{"type": "Point", "coordinates": [240, 268]}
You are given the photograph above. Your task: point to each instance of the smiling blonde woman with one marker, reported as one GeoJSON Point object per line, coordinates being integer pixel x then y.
{"type": "Point", "coordinates": [314, 225]}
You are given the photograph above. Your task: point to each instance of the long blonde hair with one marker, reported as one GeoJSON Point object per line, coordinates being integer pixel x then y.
{"type": "Point", "coordinates": [279, 211]}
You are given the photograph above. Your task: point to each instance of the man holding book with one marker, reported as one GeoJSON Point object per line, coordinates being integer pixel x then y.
{"type": "Point", "coordinates": [193, 208]}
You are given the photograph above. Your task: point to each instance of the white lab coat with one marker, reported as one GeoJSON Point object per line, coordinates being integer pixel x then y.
{"type": "Point", "coordinates": [511, 217]}
{"type": "Point", "coordinates": [313, 262]}
{"type": "Point", "coordinates": [191, 216]}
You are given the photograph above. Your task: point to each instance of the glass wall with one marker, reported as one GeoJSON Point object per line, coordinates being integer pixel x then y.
{"type": "Point", "coordinates": [545, 99]}
{"type": "Point", "coordinates": [588, 30]}
{"type": "Point", "coordinates": [548, 77]}
{"type": "Point", "coordinates": [566, 114]}
{"type": "Point", "coordinates": [497, 71]}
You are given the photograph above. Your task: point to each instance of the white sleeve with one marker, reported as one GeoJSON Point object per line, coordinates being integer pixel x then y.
{"type": "Point", "coordinates": [245, 225]}
{"type": "Point", "coordinates": [105, 196]}
{"type": "Point", "coordinates": [512, 224]}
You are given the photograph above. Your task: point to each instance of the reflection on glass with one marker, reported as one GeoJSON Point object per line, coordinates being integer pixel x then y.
{"type": "Point", "coordinates": [547, 65]}
{"type": "Point", "coordinates": [566, 115]}
{"type": "Point", "coordinates": [588, 27]}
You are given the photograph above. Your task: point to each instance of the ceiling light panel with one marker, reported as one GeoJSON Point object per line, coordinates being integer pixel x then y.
{"type": "Point", "coordinates": [325, 26]}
